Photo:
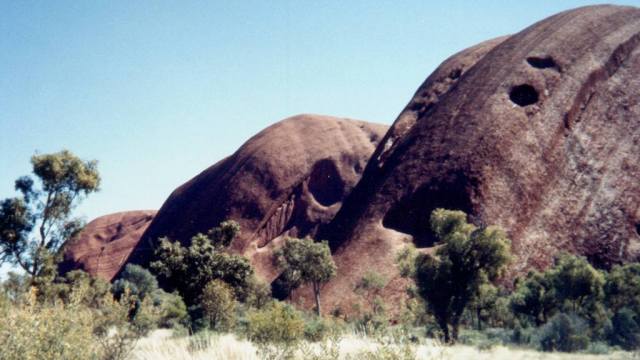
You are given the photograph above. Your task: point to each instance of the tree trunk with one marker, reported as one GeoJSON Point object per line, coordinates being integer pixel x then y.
{"type": "Point", "coordinates": [478, 310]}
{"type": "Point", "coordinates": [454, 332]}
{"type": "Point", "coordinates": [316, 292]}
{"type": "Point", "coordinates": [447, 338]}
{"type": "Point", "coordinates": [445, 330]}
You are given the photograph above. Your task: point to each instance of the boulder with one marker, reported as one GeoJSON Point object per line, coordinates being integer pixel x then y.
{"type": "Point", "coordinates": [538, 133]}
{"type": "Point", "coordinates": [104, 245]}
{"type": "Point", "coordinates": [286, 180]}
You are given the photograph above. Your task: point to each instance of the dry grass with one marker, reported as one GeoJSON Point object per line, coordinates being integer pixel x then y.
{"type": "Point", "coordinates": [160, 346]}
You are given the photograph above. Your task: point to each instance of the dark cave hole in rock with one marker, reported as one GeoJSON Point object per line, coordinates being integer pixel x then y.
{"type": "Point", "coordinates": [541, 62]}
{"type": "Point", "coordinates": [280, 288]}
{"type": "Point", "coordinates": [455, 73]}
{"type": "Point", "coordinates": [523, 95]}
{"type": "Point", "coordinates": [411, 214]}
{"type": "Point", "coordinates": [325, 183]}
{"type": "Point", "coordinates": [638, 229]}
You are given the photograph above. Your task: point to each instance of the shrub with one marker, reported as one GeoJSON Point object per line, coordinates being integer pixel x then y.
{"type": "Point", "coordinates": [32, 331]}
{"type": "Point", "coordinates": [218, 305]}
{"type": "Point", "coordinates": [598, 348]}
{"type": "Point", "coordinates": [564, 332]}
{"type": "Point", "coordinates": [172, 311]}
{"type": "Point", "coordinates": [138, 279]}
{"type": "Point", "coordinates": [319, 329]}
{"type": "Point", "coordinates": [121, 323]}
{"type": "Point", "coordinates": [189, 269]}
{"type": "Point", "coordinates": [625, 330]}
{"type": "Point", "coordinates": [275, 323]}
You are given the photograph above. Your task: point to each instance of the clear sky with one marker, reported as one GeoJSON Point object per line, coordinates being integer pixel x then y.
{"type": "Point", "coordinates": [158, 91]}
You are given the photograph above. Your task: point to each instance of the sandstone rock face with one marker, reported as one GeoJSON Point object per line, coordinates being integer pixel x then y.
{"type": "Point", "coordinates": [538, 133]}
{"type": "Point", "coordinates": [104, 245]}
{"type": "Point", "coordinates": [286, 180]}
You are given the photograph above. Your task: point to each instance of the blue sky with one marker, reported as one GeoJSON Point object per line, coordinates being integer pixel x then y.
{"type": "Point", "coordinates": [158, 91]}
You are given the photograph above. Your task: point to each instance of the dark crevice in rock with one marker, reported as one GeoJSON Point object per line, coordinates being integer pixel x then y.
{"type": "Point", "coordinates": [638, 229]}
{"type": "Point", "coordinates": [411, 214]}
{"type": "Point", "coordinates": [541, 62]}
{"type": "Point", "coordinates": [278, 220]}
{"type": "Point", "coordinates": [524, 95]}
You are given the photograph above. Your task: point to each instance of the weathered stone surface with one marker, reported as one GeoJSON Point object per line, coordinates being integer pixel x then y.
{"type": "Point", "coordinates": [540, 136]}
{"type": "Point", "coordinates": [286, 180]}
{"type": "Point", "coordinates": [104, 245]}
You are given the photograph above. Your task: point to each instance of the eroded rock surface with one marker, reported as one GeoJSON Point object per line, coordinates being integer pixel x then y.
{"type": "Point", "coordinates": [286, 180]}
{"type": "Point", "coordinates": [104, 245]}
{"type": "Point", "coordinates": [540, 135]}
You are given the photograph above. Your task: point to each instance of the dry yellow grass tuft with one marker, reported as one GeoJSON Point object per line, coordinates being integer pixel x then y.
{"type": "Point", "coordinates": [160, 345]}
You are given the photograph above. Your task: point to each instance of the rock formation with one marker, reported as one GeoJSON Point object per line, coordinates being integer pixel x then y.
{"type": "Point", "coordinates": [538, 133]}
{"type": "Point", "coordinates": [104, 245]}
{"type": "Point", "coordinates": [286, 180]}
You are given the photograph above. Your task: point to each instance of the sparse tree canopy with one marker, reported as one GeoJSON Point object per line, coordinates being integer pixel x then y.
{"type": "Point", "coordinates": [63, 180]}
{"type": "Point", "coordinates": [305, 260]}
{"type": "Point", "coordinates": [534, 298]}
{"type": "Point", "coordinates": [466, 257]}
{"type": "Point", "coordinates": [218, 304]}
{"type": "Point", "coordinates": [622, 287]}
{"type": "Point", "coordinates": [137, 279]}
{"type": "Point", "coordinates": [190, 269]}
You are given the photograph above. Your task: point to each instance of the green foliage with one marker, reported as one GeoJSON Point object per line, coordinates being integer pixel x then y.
{"type": "Point", "coordinates": [137, 279]}
{"type": "Point", "coordinates": [218, 305]}
{"type": "Point", "coordinates": [172, 311]}
{"type": "Point", "coordinates": [31, 331]}
{"type": "Point", "coordinates": [95, 290]}
{"type": "Point", "coordinates": [567, 333]}
{"type": "Point", "coordinates": [625, 329]}
{"type": "Point", "coordinates": [319, 329]}
{"type": "Point", "coordinates": [534, 298]}
{"type": "Point", "coordinates": [484, 303]}
{"type": "Point", "coordinates": [306, 261]}
{"type": "Point", "coordinates": [64, 180]}
{"type": "Point", "coordinates": [622, 288]}
{"type": "Point", "coordinates": [466, 258]}
{"type": "Point", "coordinates": [577, 285]}
{"type": "Point", "coordinates": [369, 287]}
{"type": "Point", "coordinates": [275, 323]}
{"type": "Point", "coordinates": [119, 324]}
{"type": "Point", "coordinates": [189, 270]}
{"type": "Point", "coordinates": [259, 293]}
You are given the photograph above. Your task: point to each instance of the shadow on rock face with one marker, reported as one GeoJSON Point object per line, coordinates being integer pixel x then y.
{"type": "Point", "coordinates": [411, 214]}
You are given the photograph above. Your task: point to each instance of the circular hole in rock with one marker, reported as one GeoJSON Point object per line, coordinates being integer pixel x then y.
{"type": "Point", "coordinates": [541, 62]}
{"type": "Point", "coordinates": [325, 183]}
{"type": "Point", "coordinates": [524, 95]}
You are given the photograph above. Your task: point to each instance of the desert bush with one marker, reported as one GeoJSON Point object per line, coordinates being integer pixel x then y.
{"type": "Point", "coordinates": [137, 279]}
{"type": "Point", "coordinates": [564, 332]}
{"type": "Point", "coordinates": [121, 323]}
{"type": "Point", "coordinates": [218, 305]}
{"type": "Point", "coordinates": [319, 329]}
{"type": "Point", "coordinates": [95, 290]}
{"type": "Point", "coordinates": [189, 269]}
{"type": "Point", "coordinates": [172, 311]}
{"type": "Point", "coordinates": [33, 331]}
{"type": "Point", "coordinates": [622, 287]}
{"type": "Point", "coordinates": [625, 330]}
{"type": "Point", "coordinates": [259, 294]}
{"type": "Point", "coordinates": [598, 348]}
{"type": "Point", "coordinates": [275, 323]}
